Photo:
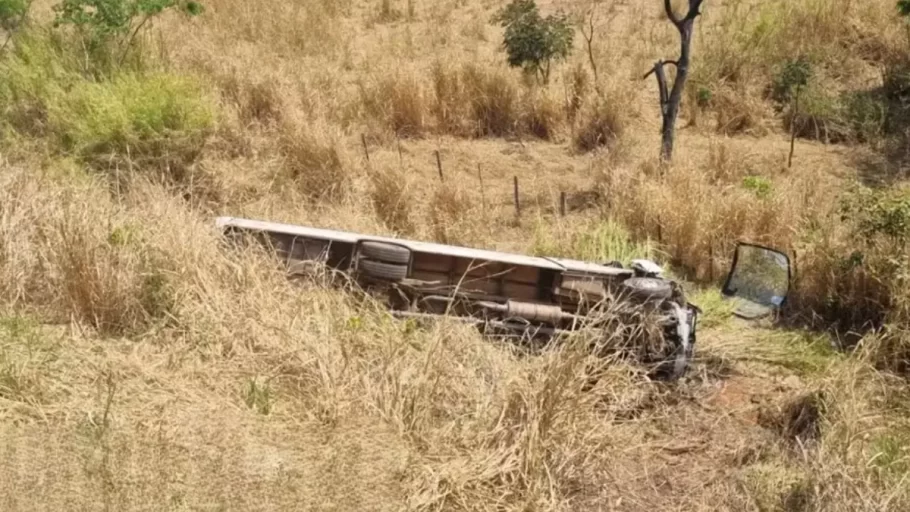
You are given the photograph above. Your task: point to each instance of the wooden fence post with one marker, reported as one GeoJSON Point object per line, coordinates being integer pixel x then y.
{"type": "Point", "coordinates": [517, 201]}
{"type": "Point", "coordinates": [483, 196]}
{"type": "Point", "coordinates": [439, 165]}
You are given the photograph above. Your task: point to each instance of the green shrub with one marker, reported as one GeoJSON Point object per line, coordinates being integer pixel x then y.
{"type": "Point", "coordinates": [130, 113]}
{"type": "Point", "coordinates": [878, 213]}
{"type": "Point", "coordinates": [903, 7]}
{"type": "Point", "coordinates": [703, 96]}
{"type": "Point", "coordinates": [794, 75]}
{"type": "Point", "coordinates": [820, 117]}
{"type": "Point", "coordinates": [840, 118]}
{"type": "Point", "coordinates": [532, 41]}
{"type": "Point", "coordinates": [107, 29]}
{"type": "Point", "coordinates": [868, 115]}
{"type": "Point", "coordinates": [153, 120]}
{"type": "Point", "coordinates": [858, 280]}
{"type": "Point", "coordinates": [759, 185]}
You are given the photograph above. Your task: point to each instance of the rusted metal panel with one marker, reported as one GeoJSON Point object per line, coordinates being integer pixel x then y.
{"type": "Point", "coordinates": [523, 274]}
{"type": "Point", "coordinates": [432, 262]}
{"type": "Point", "coordinates": [519, 291]}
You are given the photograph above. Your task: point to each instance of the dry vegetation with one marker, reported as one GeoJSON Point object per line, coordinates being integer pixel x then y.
{"type": "Point", "coordinates": [143, 366]}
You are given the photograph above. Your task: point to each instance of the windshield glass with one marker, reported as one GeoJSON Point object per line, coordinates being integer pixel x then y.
{"type": "Point", "coordinates": [760, 275]}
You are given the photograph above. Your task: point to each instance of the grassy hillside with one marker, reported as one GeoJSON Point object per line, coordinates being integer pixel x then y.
{"type": "Point", "coordinates": [143, 366]}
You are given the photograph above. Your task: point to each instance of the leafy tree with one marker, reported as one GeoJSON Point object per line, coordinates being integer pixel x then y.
{"type": "Point", "coordinates": [795, 74]}
{"type": "Point", "coordinates": [113, 24]}
{"type": "Point", "coordinates": [533, 42]}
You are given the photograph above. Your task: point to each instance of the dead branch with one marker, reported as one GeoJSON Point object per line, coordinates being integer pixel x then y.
{"type": "Point", "coordinates": [589, 39]}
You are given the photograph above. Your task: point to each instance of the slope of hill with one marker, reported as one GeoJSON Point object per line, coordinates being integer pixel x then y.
{"type": "Point", "coordinates": [142, 366]}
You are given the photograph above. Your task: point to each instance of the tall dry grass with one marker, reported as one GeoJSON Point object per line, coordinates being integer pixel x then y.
{"type": "Point", "coordinates": [263, 392]}
{"type": "Point", "coordinates": [393, 200]}
{"type": "Point", "coordinates": [473, 421]}
{"type": "Point", "coordinates": [315, 160]}
{"type": "Point", "coordinates": [187, 373]}
{"type": "Point", "coordinates": [743, 46]}
{"type": "Point", "coordinates": [847, 264]}
{"type": "Point", "coordinates": [402, 87]}
{"type": "Point", "coordinates": [699, 210]}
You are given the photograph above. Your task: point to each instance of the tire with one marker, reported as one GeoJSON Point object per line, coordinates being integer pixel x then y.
{"type": "Point", "coordinates": [382, 270]}
{"type": "Point", "coordinates": [647, 288]}
{"type": "Point", "coordinates": [385, 253]}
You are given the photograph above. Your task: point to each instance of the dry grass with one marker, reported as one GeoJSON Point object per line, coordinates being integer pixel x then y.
{"type": "Point", "coordinates": [453, 216]}
{"type": "Point", "coordinates": [399, 102]}
{"type": "Point", "coordinates": [315, 386]}
{"type": "Point", "coordinates": [144, 365]}
{"type": "Point", "coordinates": [701, 209]}
{"type": "Point", "coordinates": [739, 112]}
{"type": "Point", "coordinates": [602, 124]}
{"type": "Point", "coordinates": [315, 161]}
{"type": "Point", "coordinates": [393, 200]}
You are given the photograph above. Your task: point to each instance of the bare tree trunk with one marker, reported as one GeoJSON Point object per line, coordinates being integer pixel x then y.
{"type": "Point", "coordinates": [670, 99]}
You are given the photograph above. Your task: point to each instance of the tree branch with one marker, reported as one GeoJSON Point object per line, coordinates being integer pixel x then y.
{"type": "Point", "coordinates": [670, 99]}
{"type": "Point", "coordinates": [660, 63]}
{"type": "Point", "coordinates": [129, 42]}
{"type": "Point", "coordinates": [668, 6]}
{"type": "Point", "coordinates": [694, 11]}
{"type": "Point", "coordinates": [664, 89]}
{"type": "Point", "coordinates": [662, 85]}
{"type": "Point", "coordinates": [589, 38]}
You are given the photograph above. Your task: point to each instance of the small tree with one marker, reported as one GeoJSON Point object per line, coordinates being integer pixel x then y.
{"type": "Point", "coordinates": [112, 25]}
{"type": "Point", "coordinates": [531, 41]}
{"type": "Point", "coordinates": [670, 98]}
{"type": "Point", "coordinates": [795, 74]}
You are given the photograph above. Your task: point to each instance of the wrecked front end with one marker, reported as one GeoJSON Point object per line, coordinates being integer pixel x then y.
{"type": "Point", "coordinates": [638, 314]}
